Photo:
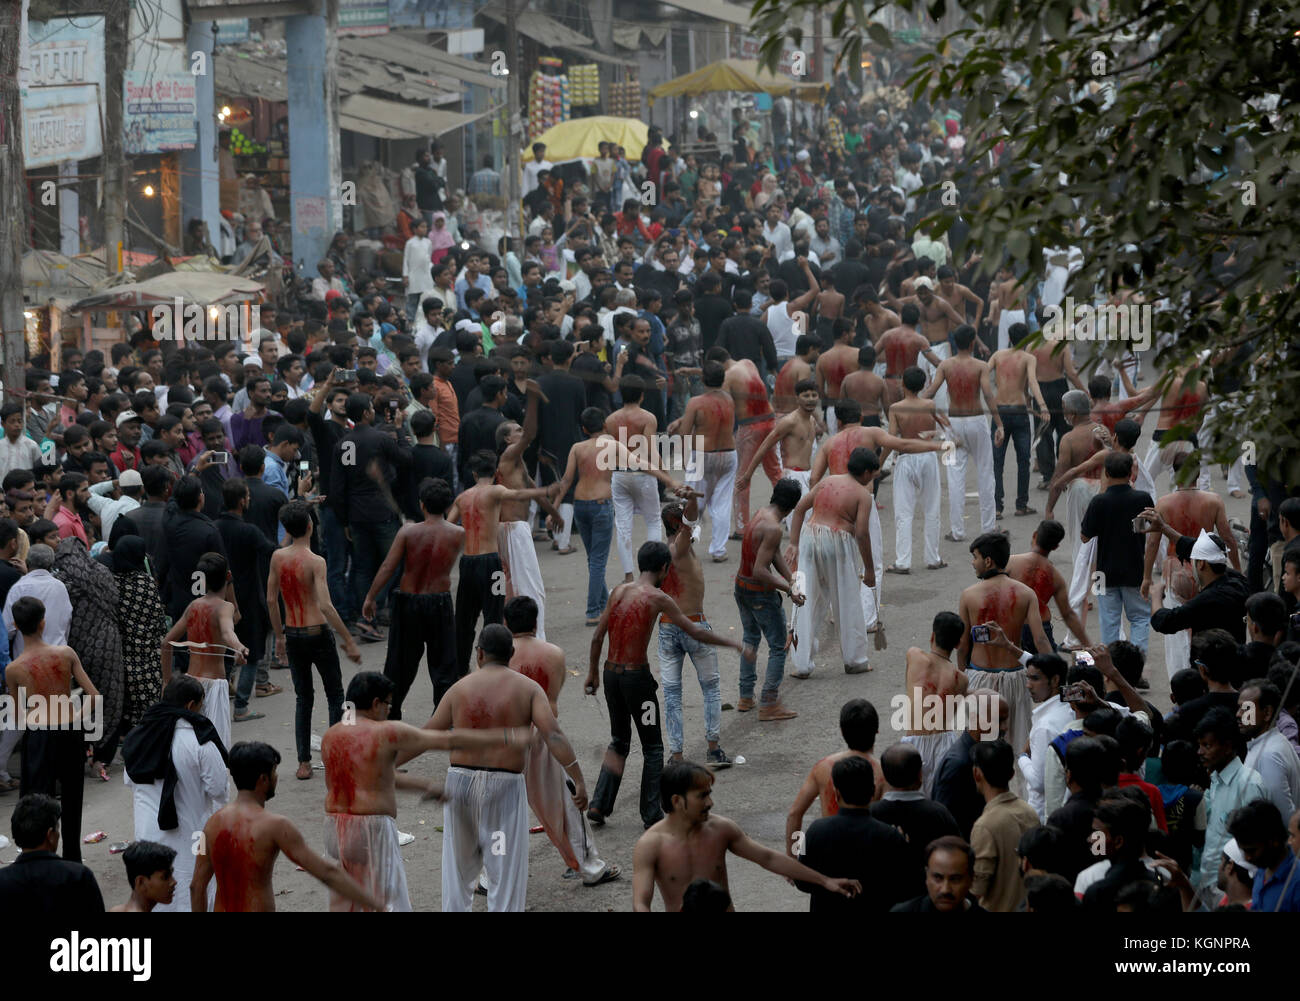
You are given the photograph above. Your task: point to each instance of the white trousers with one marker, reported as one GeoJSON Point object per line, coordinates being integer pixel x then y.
{"type": "Point", "coordinates": [916, 477]}
{"type": "Point", "coordinates": [975, 446]}
{"type": "Point", "coordinates": [716, 473]}
{"type": "Point", "coordinates": [523, 573]}
{"type": "Point", "coordinates": [634, 493]}
{"type": "Point", "coordinates": [1081, 578]}
{"type": "Point", "coordinates": [366, 846]}
{"type": "Point", "coordinates": [1160, 458]}
{"type": "Point", "coordinates": [485, 824]}
{"type": "Point", "coordinates": [1178, 646]}
{"type": "Point", "coordinates": [830, 563]}
{"type": "Point", "coordinates": [942, 351]}
{"type": "Point", "coordinates": [1078, 495]}
{"type": "Point", "coordinates": [564, 537]}
{"type": "Point", "coordinates": [871, 596]}
{"type": "Point", "coordinates": [216, 706]}
{"type": "Point", "coordinates": [932, 747]}
{"type": "Point", "coordinates": [565, 825]}
{"type": "Point", "coordinates": [1005, 319]}
{"type": "Point", "coordinates": [802, 477]}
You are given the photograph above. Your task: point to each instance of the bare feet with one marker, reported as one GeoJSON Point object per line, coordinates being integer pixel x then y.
{"type": "Point", "coordinates": [304, 770]}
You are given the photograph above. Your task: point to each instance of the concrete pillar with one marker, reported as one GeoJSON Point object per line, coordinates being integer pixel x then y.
{"type": "Point", "coordinates": [315, 170]}
{"type": "Point", "coordinates": [69, 209]}
{"type": "Point", "coordinates": [200, 174]}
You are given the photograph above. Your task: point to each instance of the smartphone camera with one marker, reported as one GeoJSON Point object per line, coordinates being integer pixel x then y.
{"type": "Point", "coordinates": [980, 634]}
{"type": "Point", "coordinates": [220, 458]}
{"type": "Point", "coordinates": [304, 466]}
{"type": "Point", "coordinates": [1083, 657]}
{"type": "Point", "coordinates": [1071, 693]}
{"type": "Point", "coordinates": [347, 375]}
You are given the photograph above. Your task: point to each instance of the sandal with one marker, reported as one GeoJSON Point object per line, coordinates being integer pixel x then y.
{"type": "Point", "coordinates": [245, 717]}
{"type": "Point", "coordinates": [303, 766]}
{"type": "Point", "coordinates": [611, 873]}
{"type": "Point", "coordinates": [566, 550]}
{"type": "Point", "coordinates": [101, 770]}
{"type": "Point", "coordinates": [263, 691]}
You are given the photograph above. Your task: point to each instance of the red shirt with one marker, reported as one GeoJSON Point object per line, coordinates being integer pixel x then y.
{"type": "Point", "coordinates": [1152, 793]}
{"type": "Point", "coordinates": [124, 458]}
{"type": "Point", "coordinates": [69, 523]}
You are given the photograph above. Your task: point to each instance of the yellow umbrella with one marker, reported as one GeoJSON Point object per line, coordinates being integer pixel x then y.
{"type": "Point", "coordinates": [742, 75]}
{"type": "Point", "coordinates": [581, 137]}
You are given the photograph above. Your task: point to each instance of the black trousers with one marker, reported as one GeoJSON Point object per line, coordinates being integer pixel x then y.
{"type": "Point", "coordinates": [1052, 391]}
{"type": "Point", "coordinates": [304, 651]}
{"type": "Point", "coordinates": [54, 763]}
{"type": "Point", "coordinates": [632, 700]}
{"type": "Point", "coordinates": [481, 589]}
{"type": "Point", "coordinates": [422, 625]}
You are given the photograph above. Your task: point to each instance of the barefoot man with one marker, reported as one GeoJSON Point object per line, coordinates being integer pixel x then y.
{"type": "Point", "coordinates": [763, 575]}
{"type": "Point", "coordinates": [900, 346]}
{"type": "Point", "coordinates": [931, 686]}
{"type": "Point", "coordinates": [754, 419]}
{"type": "Point", "coordinates": [838, 511]}
{"type": "Point", "coordinates": [1011, 604]}
{"type": "Point", "coordinates": [544, 780]}
{"type": "Point", "coordinates": [689, 844]}
{"type": "Point", "coordinates": [834, 365]}
{"type": "Point", "coordinates": [207, 629]}
{"type": "Point", "coordinates": [305, 641]}
{"type": "Point", "coordinates": [486, 815]}
{"type": "Point", "coordinates": [967, 379]}
{"type": "Point", "coordinates": [240, 843]}
{"type": "Point", "coordinates": [796, 433]}
{"type": "Point", "coordinates": [1056, 374]}
{"type": "Point", "coordinates": [865, 388]}
{"type": "Point", "coordinates": [361, 783]}
{"type": "Point", "coordinates": [1183, 403]}
{"type": "Point", "coordinates": [54, 749]}
{"type": "Point", "coordinates": [1015, 371]}
{"type": "Point", "coordinates": [1006, 306]}
{"type": "Point", "coordinates": [630, 688]}
{"type": "Point", "coordinates": [707, 425]}
{"type": "Point", "coordinates": [1036, 570]}
{"type": "Point", "coordinates": [937, 317]}
{"type": "Point", "coordinates": [916, 475]}
{"type": "Point", "coordinates": [633, 490]}
{"type": "Point", "coordinates": [423, 618]}
{"type": "Point", "coordinates": [806, 352]}
{"type": "Point", "coordinates": [482, 584]}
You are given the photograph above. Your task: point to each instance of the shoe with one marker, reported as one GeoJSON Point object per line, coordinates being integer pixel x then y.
{"type": "Point", "coordinates": [954, 538]}
{"type": "Point", "coordinates": [1022, 511]}
{"type": "Point", "coordinates": [263, 691]}
{"type": "Point", "coordinates": [405, 839]}
{"type": "Point", "coordinates": [936, 566]}
{"type": "Point", "coordinates": [999, 516]}
{"type": "Point", "coordinates": [720, 559]}
{"type": "Point", "coordinates": [862, 668]}
{"type": "Point", "coordinates": [736, 537]}
{"type": "Point", "coordinates": [593, 622]}
{"type": "Point", "coordinates": [897, 569]}
{"type": "Point", "coordinates": [245, 717]}
{"type": "Point", "coordinates": [611, 873]}
{"type": "Point", "coordinates": [774, 711]}
{"type": "Point", "coordinates": [1043, 485]}
{"type": "Point", "coordinates": [801, 675]}
{"type": "Point", "coordinates": [745, 705]}
{"type": "Point", "coordinates": [596, 817]}
{"type": "Point", "coordinates": [717, 759]}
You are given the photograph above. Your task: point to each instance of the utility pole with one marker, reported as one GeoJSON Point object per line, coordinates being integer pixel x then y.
{"type": "Point", "coordinates": [13, 199]}
{"type": "Point", "coordinates": [117, 19]}
{"type": "Point", "coordinates": [514, 130]}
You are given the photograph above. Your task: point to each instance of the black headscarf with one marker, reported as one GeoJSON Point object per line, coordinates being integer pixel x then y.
{"type": "Point", "coordinates": [129, 554]}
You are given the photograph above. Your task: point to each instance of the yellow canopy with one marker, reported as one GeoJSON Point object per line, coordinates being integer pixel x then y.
{"type": "Point", "coordinates": [738, 74]}
{"type": "Point", "coordinates": [581, 137]}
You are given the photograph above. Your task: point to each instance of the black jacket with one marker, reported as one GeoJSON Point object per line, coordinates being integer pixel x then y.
{"type": "Point", "coordinates": [42, 885]}
{"type": "Point", "coordinates": [746, 336]}
{"type": "Point", "coordinates": [921, 821]}
{"type": "Point", "coordinates": [188, 535]}
{"type": "Point", "coordinates": [954, 785]}
{"type": "Point", "coordinates": [149, 519]}
{"type": "Point", "coordinates": [854, 845]}
{"type": "Point", "coordinates": [147, 753]}
{"type": "Point", "coordinates": [356, 494]}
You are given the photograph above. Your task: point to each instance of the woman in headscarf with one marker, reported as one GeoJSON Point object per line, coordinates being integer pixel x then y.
{"type": "Point", "coordinates": [767, 192]}
{"type": "Point", "coordinates": [440, 236]}
{"type": "Point", "coordinates": [143, 625]}
{"type": "Point", "coordinates": [94, 635]}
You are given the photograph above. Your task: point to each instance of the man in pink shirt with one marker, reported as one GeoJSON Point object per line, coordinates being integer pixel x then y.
{"type": "Point", "coordinates": [74, 494]}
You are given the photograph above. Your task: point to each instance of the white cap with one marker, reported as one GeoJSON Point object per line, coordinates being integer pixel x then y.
{"type": "Point", "coordinates": [922, 282]}
{"type": "Point", "coordinates": [568, 285]}
{"type": "Point", "coordinates": [1234, 852]}
{"type": "Point", "coordinates": [1204, 548]}
{"type": "Point", "coordinates": [469, 325]}
{"type": "Point", "coordinates": [803, 154]}
{"type": "Point", "coordinates": [130, 478]}
{"type": "Point", "coordinates": [127, 415]}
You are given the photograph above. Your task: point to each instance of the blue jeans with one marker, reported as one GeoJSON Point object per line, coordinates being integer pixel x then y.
{"type": "Point", "coordinates": [370, 544]}
{"type": "Point", "coordinates": [761, 617]}
{"type": "Point", "coordinates": [1137, 608]}
{"type": "Point", "coordinates": [1015, 429]}
{"type": "Point", "coordinates": [336, 564]}
{"type": "Point", "coordinates": [684, 387]}
{"type": "Point", "coordinates": [674, 645]}
{"type": "Point", "coordinates": [594, 521]}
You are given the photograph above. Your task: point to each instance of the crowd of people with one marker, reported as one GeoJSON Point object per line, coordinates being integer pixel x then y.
{"type": "Point", "coordinates": [380, 460]}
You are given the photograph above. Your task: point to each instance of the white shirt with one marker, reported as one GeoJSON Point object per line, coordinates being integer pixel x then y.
{"type": "Point", "coordinates": [801, 223]}
{"type": "Point", "coordinates": [1048, 719]}
{"type": "Point", "coordinates": [21, 454]}
{"type": "Point", "coordinates": [531, 169]}
{"type": "Point", "coordinates": [1272, 755]}
{"type": "Point", "coordinates": [107, 508]}
{"type": "Point", "coordinates": [425, 335]}
{"type": "Point", "coordinates": [417, 266]}
{"type": "Point", "coordinates": [53, 595]}
{"type": "Point", "coordinates": [781, 240]}
{"type": "Point", "coordinates": [1096, 872]}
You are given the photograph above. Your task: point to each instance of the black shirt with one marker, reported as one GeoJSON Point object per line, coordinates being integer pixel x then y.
{"type": "Point", "coordinates": [1182, 722]}
{"type": "Point", "coordinates": [1109, 519]}
{"type": "Point", "coordinates": [428, 189]}
{"type": "Point", "coordinates": [42, 885]}
{"type": "Point", "coordinates": [1221, 604]}
{"type": "Point", "coordinates": [427, 461]}
{"type": "Point", "coordinates": [463, 379]}
{"type": "Point", "coordinates": [149, 519]}
{"type": "Point", "coordinates": [921, 821]}
{"type": "Point", "coordinates": [325, 434]}
{"type": "Point", "coordinates": [1075, 821]}
{"type": "Point", "coordinates": [356, 495]}
{"type": "Point", "coordinates": [746, 336]}
{"type": "Point", "coordinates": [647, 276]}
{"type": "Point", "coordinates": [187, 536]}
{"type": "Point", "coordinates": [263, 511]}
{"type": "Point", "coordinates": [854, 845]}
{"type": "Point", "coordinates": [478, 430]}
{"type": "Point", "coordinates": [711, 311]}
{"type": "Point", "coordinates": [8, 577]}
{"type": "Point", "coordinates": [954, 785]}
{"type": "Point", "coordinates": [849, 274]}
{"type": "Point", "coordinates": [591, 371]}
{"type": "Point", "coordinates": [923, 904]}
{"type": "Point", "coordinates": [561, 427]}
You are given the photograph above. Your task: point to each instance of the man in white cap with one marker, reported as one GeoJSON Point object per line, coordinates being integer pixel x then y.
{"type": "Point", "coordinates": [1006, 305]}
{"type": "Point", "coordinates": [127, 454]}
{"type": "Point", "coordinates": [1220, 601]}
{"type": "Point", "coordinates": [110, 499]}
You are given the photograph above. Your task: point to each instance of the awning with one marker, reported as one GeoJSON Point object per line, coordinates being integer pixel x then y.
{"type": "Point", "coordinates": [412, 50]}
{"type": "Point", "coordinates": [373, 116]}
{"type": "Point", "coordinates": [581, 137]}
{"type": "Point", "coordinates": [719, 10]}
{"type": "Point", "coordinates": [551, 34]}
{"type": "Point", "coordinates": [204, 288]}
{"type": "Point", "coordinates": [739, 75]}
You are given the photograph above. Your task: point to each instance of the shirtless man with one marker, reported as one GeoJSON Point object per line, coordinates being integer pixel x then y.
{"type": "Point", "coordinates": [629, 619]}
{"type": "Point", "coordinates": [830, 306]}
{"type": "Point", "coordinates": [931, 679]}
{"type": "Point", "coordinates": [763, 574]}
{"type": "Point", "coordinates": [865, 388]}
{"type": "Point", "coordinates": [834, 365]}
{"type": "Point", "coordinates": [875, 317]}
{"type": "Point", "coordinates": [937, 318]}
{"type": "Point", "coordinates": [1015, 371]}
{"type": "Point", "coordinates": [833, 457]}
{"type": "Point", "coordinates": [304, 639]}
{"type": "Point", "coordinates": [1056, 374]}
{"type": "Point", "coordinates": [40, 684]}
{"type": "Point", "coordinates": [967, 379]}
{"type": "Point", "coordinates": [999, 598]}
{"type": "Point", "coordinates": [544, 780]}
{"type": "Point", "coordinates": [859, 726]}
{"type": "Point", "coordinates": [149, 871]}
{"type": "Point", "coordinates": [959, 297]}
{"type": "Point", "coordinates": [361, 756]}
{"type": "Point", "coordinates": [241, 842]}
{"type": "Point", "coordinates": [482, 586]}
{"type": "Point", "coordinates": [1188, 511]}
{"type": "Point", "coordinates": [1078, 445]}
{"type": "Point", "coordinates": [1006, 306]}
{"type": "Point", "coordinates": [423, 617]}
{"type": "Point", "coordinates": [486, 815]}
{"type": "Point", "coordinates": [900, 346]}
{"type": "Point", "coordinates": [1036, 570]}
{"type": "Point", "coordinates": [839, 532]}
{"type": "Point", "coordinates": [1182, 404]}
{"type": "Point", "coordinates": [592, 463]}
{"type": "Point", "coordinates": [796, 433]}
{"type": "Point", "coordinates": [688, 844]}
{"type": "Point", "coordinates": [806, 352]}
{"type": "Point", "coordinates": [633, 492]}
{"type": "Point", "coordinates": [916, 475]}
{"type": "Point", "coordinates": [754, 420]}
{"type": "Point", "coordinates": [207, 629]}
{"type": "Point", "coordinates": [709, 422]}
